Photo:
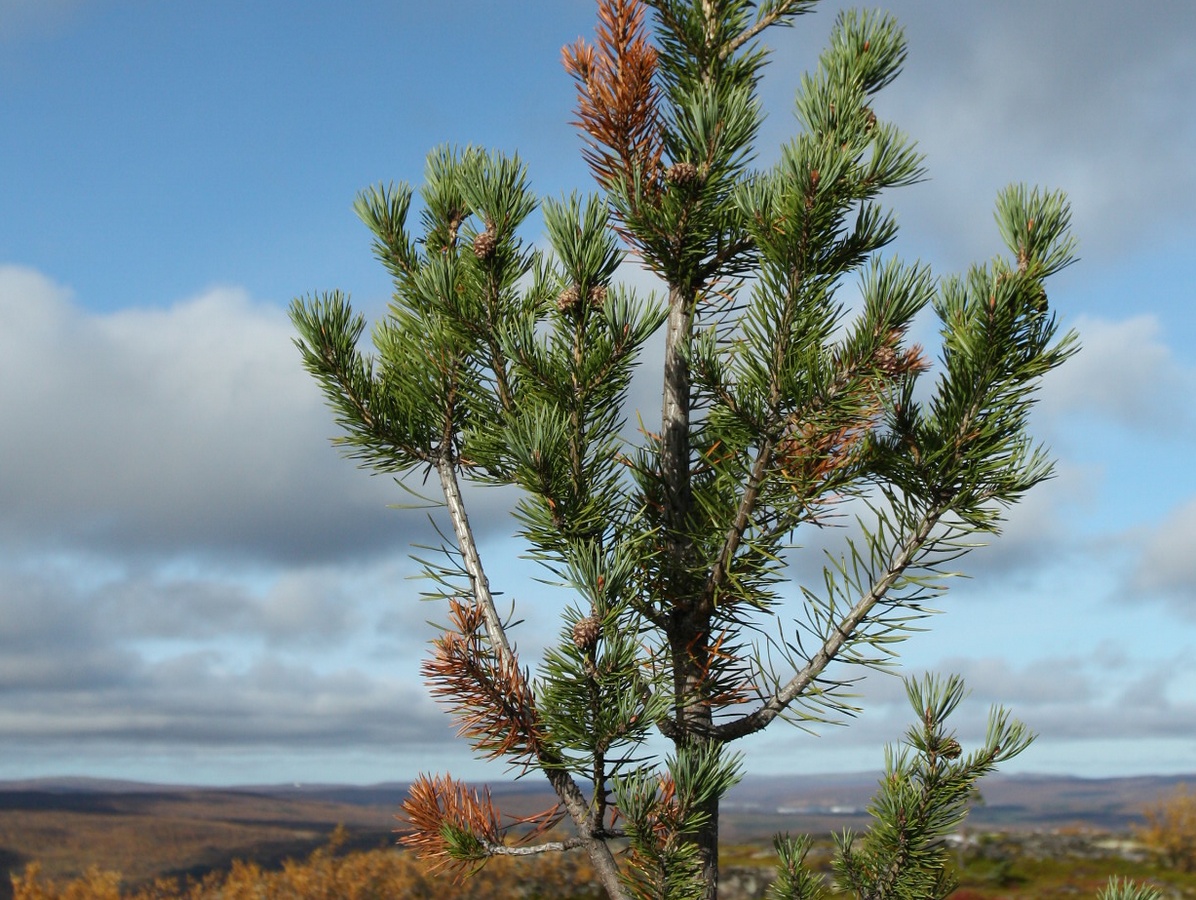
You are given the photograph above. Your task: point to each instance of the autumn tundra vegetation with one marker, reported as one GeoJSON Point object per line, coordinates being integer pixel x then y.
{"type": "Point", "coordinates": [327, 874]}
{"type": "Point", "coordinates": [995, 865]}
{"type": "Point", "coordinates": [1169, 828]}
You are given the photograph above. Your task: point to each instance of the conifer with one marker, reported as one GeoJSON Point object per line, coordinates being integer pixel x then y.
{"type": "Point", "coordinates": [783, 412]}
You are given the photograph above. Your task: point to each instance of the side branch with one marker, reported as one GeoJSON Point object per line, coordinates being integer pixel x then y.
{"type": "Point", "coordinates": [835, 641]}
{"type": "Point", "coordinates": [573, 843]}
{"type": "Point", "coordinates": [473, 562]}
{"type": "Point", "coordinates": [743, 518]}
{"type": "Point", "coordinates": [595, 843]}
{"type": "Point", "coordinates": [562, 784]}
{"type": "Point", "coordinates": [765, 455]}
{"type": "Point", "coordinates": [783, 9]}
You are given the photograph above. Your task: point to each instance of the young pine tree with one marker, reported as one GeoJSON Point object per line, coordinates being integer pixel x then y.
{"type": "Point", "coordinates": [503, 364]}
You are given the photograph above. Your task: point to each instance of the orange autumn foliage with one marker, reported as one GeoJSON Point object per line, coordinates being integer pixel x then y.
{"type": "Point", "coordinates": [1170, 828]}
{"type": "Point", "coordinates": [617, 96]}
{"type": "Point", "coordinates": [329, 875]}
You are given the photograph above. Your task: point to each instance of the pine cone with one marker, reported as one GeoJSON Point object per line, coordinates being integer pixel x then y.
{"type": "Point", "coordinates": [950, 749]}
{"type": "Point", "coordinates": [681, 174]}
{"type": "Point", "coordinates": [568, 298]}
{"type": "Point", "coordinates": [597, 296]}
{"type": "Point", "coordinates": [586, 632]}
{"type": "Point", "coordinates": [887, 360]}
{"type": "Point", "coordinates": [485, 242]}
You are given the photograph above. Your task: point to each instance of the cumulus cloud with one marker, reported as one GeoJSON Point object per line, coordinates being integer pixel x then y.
{"type": "Point", "coordinates": [185, 558]}
{"type": "Point", "coordinates": [1125, 374]}
{"type": "Point", "coordinates": [1065, 698]}
{"type": "Point", "coordinates": [177, 430]}
{"type": "Point", "coordinates": [196, 698]}
{"type": "Point", "coordinates": [1075, 95]}
{"type": "Point", "coordinates": [1058, 102]}
{"type": "Point", "coordinates": [177, 660]}
{"type": "Point", "coordinates": [184, 561]}
{"type": "Point", "coordinates": [1061, 698]}
{"type": "Point", "coordinates": [1166, 565]}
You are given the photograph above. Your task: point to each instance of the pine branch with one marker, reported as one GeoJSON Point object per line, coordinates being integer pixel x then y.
{"type": "Point", "coordinates": [924, 795]}
{"type": "Point", "coordinates": [721, 569]}
{"type": "Point", "coordinates": [490, 696]}
{"type": "Point", "coordinates": [821, 439]}
{"type": "Point", "coordinates": [450, 823]}
{"type": "Point", "coordinates": [617, 100]}
{"type": "Point", "coordinates": [839, 637]}
{"type": "Point", "coordinates": [328, 334]}
{"type": "Point", "coordinates": [776, 12]}
{"type": "Point", "coordinates": [573, 843]}
{"type": "Point", "coordinates": [1117, 889]}
{"type": "Point", "coordinates": [594, 843]}
{"type": "Point", "coordinates": [447, 471]}
{"type": "Point", "coordinates": [562, 783]}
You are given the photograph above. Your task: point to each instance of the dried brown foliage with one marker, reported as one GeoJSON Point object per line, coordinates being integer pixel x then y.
{"type": "Point", "coordinates": [820, 443]}
{"type": "Point", "coordinates": [489, 696]}
{"type": "Point", "coordinates": [617, 97]}
{"type": "Point", "coordinates": [450, 823]}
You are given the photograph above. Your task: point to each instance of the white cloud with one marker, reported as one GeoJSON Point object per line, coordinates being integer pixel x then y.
{"type": "Point", "coordinates": [171, 430]}
{"type": "Point", "coordinates": [1125, 373]}
{"type": "Point", "coordinates": [1066, 104]}
{"type": "Point", "coordinates": [215, 660]}
{"type": "Point", "coordinates": [1062, 698]}
{"type": "Point", "coordinates": [184, 557]}
{"type": "Point", "coordinates": [198, 698]}
{"type": "Point", "coordinates": [136, 438]}
{"type": "Point", "coordinates": [1042, 682]}
{"type": "Point", "coordinates": [1074, 94]}
{"type": "Point", "coordinates": [1167, 565]}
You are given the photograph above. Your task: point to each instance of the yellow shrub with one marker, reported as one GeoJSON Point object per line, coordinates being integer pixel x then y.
{"type": "Point", "coordinates": [372, 875]}
{"type": "Point", "coordinates": [1170, 828]}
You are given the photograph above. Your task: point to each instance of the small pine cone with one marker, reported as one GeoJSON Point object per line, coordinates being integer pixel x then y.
{"type": "Point", "coordinates": [950, 749]}
{"type": "Point", "coordinates": [681, 174]}
{"type": "Point", "coordinates": [597, 296]}
{"type": "Point", "coordinates": [568, 298]}
{"type": "Point", "coordinates": [887, 360]}
{"type": "Point", "coordinates": [586, 632]}
{"type": "Point", "coordinates": [485, 242]}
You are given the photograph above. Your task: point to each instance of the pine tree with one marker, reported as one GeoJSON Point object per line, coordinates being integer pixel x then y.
{"type": "Point", "coordinates": [783, 411]}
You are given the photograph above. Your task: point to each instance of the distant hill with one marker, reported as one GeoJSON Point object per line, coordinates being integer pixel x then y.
{"type": "Point", "coordinates": [1046, 801]}
{"type": "Point", "coordinates": [1015, 801]}
{"type": "Point", "coordinates": [146, 830]}
{"type": "Point", "coordinates": [1021, 802]}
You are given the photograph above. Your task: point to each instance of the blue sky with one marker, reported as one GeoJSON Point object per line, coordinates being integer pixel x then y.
{"type": "Point", "coordinates": [195, 588]}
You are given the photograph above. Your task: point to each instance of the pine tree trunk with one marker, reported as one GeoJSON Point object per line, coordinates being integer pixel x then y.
{"type": "Point", "coordinates": [690, 650]}
{"type": "Point", "coordinates": [689, 623]}
{"type": "Point", "coordinates": [707, 840]}
{"type": "Point", "coordinates": [674, 426]}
